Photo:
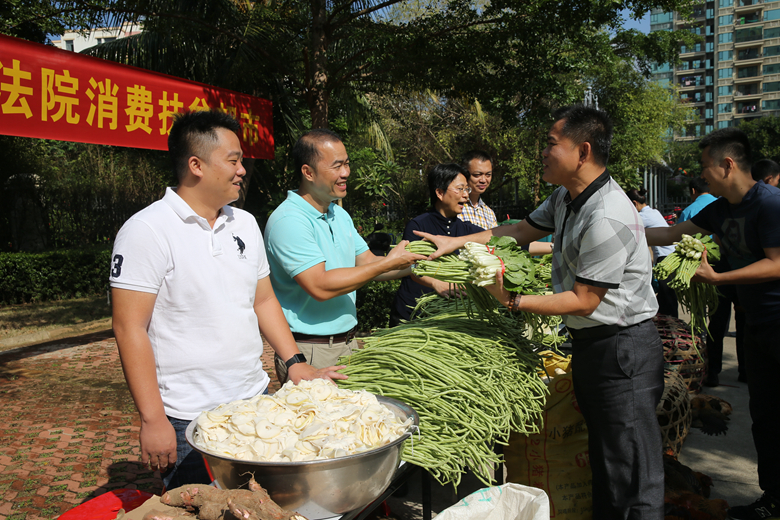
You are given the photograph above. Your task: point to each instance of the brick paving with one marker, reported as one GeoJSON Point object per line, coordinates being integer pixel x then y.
{"type": "Point", "coordinates": [68, 427]}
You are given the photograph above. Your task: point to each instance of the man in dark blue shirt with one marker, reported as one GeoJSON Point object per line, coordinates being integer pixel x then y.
{"type": "Point", "coordinates": [745, 220]}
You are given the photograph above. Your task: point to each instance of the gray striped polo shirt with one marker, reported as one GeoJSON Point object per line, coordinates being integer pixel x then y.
{"type": "Point", "coordinates": [600, 241]}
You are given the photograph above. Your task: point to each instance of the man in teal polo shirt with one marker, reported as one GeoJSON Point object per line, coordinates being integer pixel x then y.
{"type": "Point", "coordinates": [317, 257]}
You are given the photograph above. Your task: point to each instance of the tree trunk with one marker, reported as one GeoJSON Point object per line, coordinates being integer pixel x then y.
{"type": "Point", "coordinates": [318, 66]}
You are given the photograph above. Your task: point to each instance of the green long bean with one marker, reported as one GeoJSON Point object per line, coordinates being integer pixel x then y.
{"type": "Point", "coordinates": [471, 383]}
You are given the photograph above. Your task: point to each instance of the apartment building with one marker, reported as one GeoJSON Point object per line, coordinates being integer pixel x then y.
{"type": "Point", "coordinates": [734, 73]}
{"type": "Point", "coordinates": [77, 42]}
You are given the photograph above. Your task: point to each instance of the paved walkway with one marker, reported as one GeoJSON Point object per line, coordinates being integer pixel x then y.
{"type": "Point", "coordinates": [730, 459]}
{"type": "Point", "coordinates": [69, 432]}
{"type": "Point", "coordinates": [68, 427]}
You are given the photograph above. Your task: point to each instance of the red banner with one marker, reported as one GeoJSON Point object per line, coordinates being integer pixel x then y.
{"type": "Point", "coordinates": [54, 94]}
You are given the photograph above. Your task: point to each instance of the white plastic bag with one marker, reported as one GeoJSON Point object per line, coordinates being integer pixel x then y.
{"type": "Point", "coordinates": [507, 502]}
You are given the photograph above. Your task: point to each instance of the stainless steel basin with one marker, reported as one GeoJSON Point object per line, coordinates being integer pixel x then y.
{"type": "Point", "coordinates": [322, 488]}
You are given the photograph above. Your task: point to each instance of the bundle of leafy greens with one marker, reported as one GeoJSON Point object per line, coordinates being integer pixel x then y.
{"type": "Point", "coordinates": [474, 268]}
{"type": "Point", "coordinates": [698, 299]}
{"type": "Point", "coordinates": [477, 264]}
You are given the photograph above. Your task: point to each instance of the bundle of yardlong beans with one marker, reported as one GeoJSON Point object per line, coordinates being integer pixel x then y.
{"type": "Point", "coordinates": [447, 268]}
{"type": "Point", "coordinates": [470, 382]}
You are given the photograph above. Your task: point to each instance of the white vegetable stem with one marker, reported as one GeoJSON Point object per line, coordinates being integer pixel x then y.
{"type": "Point", "coordinates": [484, 264]}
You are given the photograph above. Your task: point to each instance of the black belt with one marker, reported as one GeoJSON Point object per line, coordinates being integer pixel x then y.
{"type": "Point", "coordinates": [599, 332]}
{"type": "Point", "coordinates": [336, 338]}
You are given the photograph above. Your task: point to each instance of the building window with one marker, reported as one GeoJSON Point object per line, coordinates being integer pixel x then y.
{"type": "Point", "coordinates": [772, 51]}
{"type": "Point", "coordinates": [771, 104]}
{"type": "Point", "coordinates": [710, 47]}
{"type": "Point", "coordinates": [747, 107]}
{"type": "Point", "coordinates": [724, 124]}
{"type": "Point", "coordinates": [725, 55]}
{"type": "Point", "coordinates": [773, 14]}
{"type": "Point", "coordinates": [724, 108]}
{"type": "Point", "coordinates": [725, 91]}
{"type": "Point", "coordinates": [725, 3]}
{"type": "Point", "coordinates": [749, 54]}
{"type": "Point", "coordinates": [726, 20]}
{"type": "Point", "coordinates": [747, 72]}
{"type": "Point", "coordinates": [661, 18]}
{"type": "Point", "coordinates": [655, 68]}
{"type": "Point", "coordinates": [69, 45]}
{"type": "Point", "coordinates": [708, 113]}
{"type": "Point", "coordinates": [748, 35]}
{"type": "Point", "coordinates": [772, 69]}
{"type": "Point", "coordinates": [774, 32]}
{"type": "Point", "coordinates": [725, 73]}
{"type": "Point", "coordinates": [772, 86]}
{"type": "Point", "coordinates": [708, 128]}
{"type": "Point", "coordinates": [726, 37]}
{"type": "Point", "coordinates": [708, 97]}
{"type": "Point", "coordinates": [710, 13]}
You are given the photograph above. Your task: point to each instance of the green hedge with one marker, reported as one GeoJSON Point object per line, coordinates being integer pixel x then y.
{"type": "Point", "coordinates": [55, 275]}
{"type": "Point", "coordinates": [373, 304]}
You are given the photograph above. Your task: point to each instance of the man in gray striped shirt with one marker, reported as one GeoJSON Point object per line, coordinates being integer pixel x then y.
{"type": "Point", "coordinates": [602, 284]}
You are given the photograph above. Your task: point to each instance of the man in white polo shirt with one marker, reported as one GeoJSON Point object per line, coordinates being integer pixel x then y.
{"type": "Point", "coordinates": [191, 296]}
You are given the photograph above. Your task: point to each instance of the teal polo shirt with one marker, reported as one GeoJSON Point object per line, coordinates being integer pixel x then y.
{"type": "Point", "coordinates": [298, 237]}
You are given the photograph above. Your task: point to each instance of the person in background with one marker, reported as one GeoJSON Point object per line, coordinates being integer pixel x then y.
{"type": "Point", "coordinates": [191, 296]}
{"type": "Point", "coordinates": [745, 220]}
{"type": "Point", "coordinates": [479, 170]}
{"type": "Point", "coordinates": [667, 299]}
{"type": "Point", "coordinates": [766, 170]}
{"type": "Point", "coordinates": [700, 195]}
{"type": "Point", "coordinates": [727, 297]}
{"type": "Point", "coordinates": [602, 288]}
{"type": "Point", "coordinates": [318, 260]}
{"type": "Point", "coordinates": [448, 190]}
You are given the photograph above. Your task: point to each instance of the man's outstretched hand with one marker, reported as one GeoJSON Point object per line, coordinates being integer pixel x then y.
{"type": "Point", "coordinates": [443, 243]}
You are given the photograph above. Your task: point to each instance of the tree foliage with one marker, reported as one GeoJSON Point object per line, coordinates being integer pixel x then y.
{"type": "Point", "coordinates": [408, 83]}
{"type": "Point", "coordinates": [34, 20]}
{"type": "Point", "coordinates": [764, 136]}
{"type": "Point", "coordinates": [509, 54]}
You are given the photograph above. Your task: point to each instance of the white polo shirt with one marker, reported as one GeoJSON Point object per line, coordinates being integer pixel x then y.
{"type": "Point", "coordinates": [204, 330]}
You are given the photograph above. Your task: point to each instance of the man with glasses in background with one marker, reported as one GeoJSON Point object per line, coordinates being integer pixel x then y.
{"type": "Point", "coordinates": [479, 168]}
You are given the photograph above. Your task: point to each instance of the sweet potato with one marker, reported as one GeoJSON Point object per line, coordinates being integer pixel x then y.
{"type": "Point", "coordinates": [218, 504]}
{"type": "Point", "coordinates": [191, 495]}
{"type": "Point", "coordinates": [157, 515]}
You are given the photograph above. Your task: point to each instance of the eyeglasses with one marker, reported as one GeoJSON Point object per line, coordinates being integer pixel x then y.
{"type": "Point", "coordinates": [461, 189]}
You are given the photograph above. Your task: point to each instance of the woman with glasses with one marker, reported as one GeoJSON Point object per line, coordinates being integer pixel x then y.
{"type": "Point", "coordinates": [449, 192]}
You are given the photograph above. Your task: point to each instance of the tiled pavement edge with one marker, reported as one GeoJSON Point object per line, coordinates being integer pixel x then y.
{"type": "Point", "coordinates": [68, 427]}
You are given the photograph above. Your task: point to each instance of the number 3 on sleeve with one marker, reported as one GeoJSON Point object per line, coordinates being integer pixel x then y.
{"type": "Point", "coordinates": [117, 268]}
